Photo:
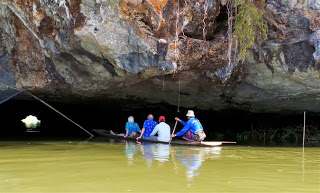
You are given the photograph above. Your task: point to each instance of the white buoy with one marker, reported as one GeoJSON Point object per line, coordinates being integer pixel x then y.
{"type": "Point", "coordinates": [31, 122]}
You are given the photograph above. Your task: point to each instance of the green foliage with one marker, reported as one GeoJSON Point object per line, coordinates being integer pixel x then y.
{"type": "Point", "coordinates": [243, 137]}
{"type": "Point", "coordinates": [219, 136]}
{"type": "Point", "coordinates": [249, 25]}
{"type": "Point", "coordinates": [291, 134]}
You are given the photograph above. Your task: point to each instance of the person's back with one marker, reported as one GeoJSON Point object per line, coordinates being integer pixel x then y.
{"type": "Point", "coordinates": [149, 126]}
{"type": "Point", "coordinates": [195, 124]}
{"type": "Point", "coordinates": [162, 129]}
{"type": "Point", "coordinates": [131, 128]}
{"type": "Point", "coordinates": [163, 132]}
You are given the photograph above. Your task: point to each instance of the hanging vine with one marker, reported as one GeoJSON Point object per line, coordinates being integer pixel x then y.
{"type": "Point", "coordinates": [205, 15]}
{"type": "Point", "coordinates": [176, 55]}
{"type": "Point", "coordinates": [250, 27]}
{"type": "Point", "coordinates": [176, 52]}
{"type": "Point", "coordinates": [231, 11]}
{"type": "Point", "coordinates": [246, 27]}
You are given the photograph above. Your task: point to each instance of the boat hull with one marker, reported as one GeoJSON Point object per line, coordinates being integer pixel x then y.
{"type": "Point", "coordinates": [107, 134]}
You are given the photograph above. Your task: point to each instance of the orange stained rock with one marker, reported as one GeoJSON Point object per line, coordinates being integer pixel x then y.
{"type": "Point", "coordinates": [75, 10]}
{"type": "Point", "coordinates": [20, 4]}
{"type": "Point", "coordinates": [24, 5]}
{"type": "Point", "coordinates": [75, 7]}
{"type": "Point", "coordinates": [161, 24]}
{"type": "Point", "coordinates": [158, 5]}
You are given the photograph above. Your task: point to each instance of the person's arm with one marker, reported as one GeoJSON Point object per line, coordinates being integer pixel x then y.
{"type": "Point", "coordinates": [155, 130]}
{"type": "Point", "coordinates": [141, 134]}
{"type": "Point", "coordinates": [127, 130]}
{"type": "Point", "coordinates": [184, 130]}
{"type": "Point", "coordinates": [182, 122]}
{"type": "Point", "coordinates": [142, 130]}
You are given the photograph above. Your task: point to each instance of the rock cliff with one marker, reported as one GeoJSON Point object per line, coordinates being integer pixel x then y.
{"type": "Point", "coordinates": [161, 51]}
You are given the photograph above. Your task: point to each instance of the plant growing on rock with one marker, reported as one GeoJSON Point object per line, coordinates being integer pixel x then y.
{"type": "Point", "coordinates": [250, 27]}
{"type": "Point", "coordinates": [246, 27]}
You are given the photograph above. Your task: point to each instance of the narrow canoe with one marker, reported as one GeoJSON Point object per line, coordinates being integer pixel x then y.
{"type": "Point", "coordinates": [107, 134]}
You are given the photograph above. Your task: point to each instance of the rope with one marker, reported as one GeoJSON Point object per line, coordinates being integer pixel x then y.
{"type": "Point", "coordinates": [163, 82]}
{"type": "Point", "coordinates": [178, 108]}
{"type": "Point", "coordinates": [230, 9]}
{"type": "Point", "coordinates": [6, 99]}
{"type": "Point", "coordinates": [59, 113]}
{"type": "Point", "coordinates": [205, 9]}
{"type": "Point", "coordinates": [50, 108]}
{"type": "Point", "coordinates": [176, 53]}
{"type": "Point", "coordinates": [14, 88]}
{"type": "Point", "coordinates": [5, 72]}
{"type": "Point", "coordinates": [176, 39]}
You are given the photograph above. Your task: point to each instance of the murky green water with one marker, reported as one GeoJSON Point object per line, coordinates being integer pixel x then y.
{"type": "Point", "coordinates": [129, 167]}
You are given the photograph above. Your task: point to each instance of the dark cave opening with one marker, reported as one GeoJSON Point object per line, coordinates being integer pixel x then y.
{"type": "Point", "coordinates": [221, 22]}
{"type": "Point", "coordinates": [215, 29]}
{"type": "Point", "coordinates": [228, 125]}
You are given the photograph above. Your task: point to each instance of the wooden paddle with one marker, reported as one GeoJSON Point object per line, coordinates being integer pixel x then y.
{"type": "Point", "coordinates": [173, 131]}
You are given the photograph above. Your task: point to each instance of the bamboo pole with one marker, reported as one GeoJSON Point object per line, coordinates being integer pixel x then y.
{"type": "Point", "coordinates": [304, 129]}
{"type": "Point", "coordinates": [175, 125]}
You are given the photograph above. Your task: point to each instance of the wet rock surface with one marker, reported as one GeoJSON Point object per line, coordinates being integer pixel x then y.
{"type": "Point", "coordinates": [155, 51]}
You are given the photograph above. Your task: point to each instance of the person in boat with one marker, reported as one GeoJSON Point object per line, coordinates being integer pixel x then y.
{"type": "Point", "coordinates": [148, 127]}
{"type": "Point", "coordinates": [162, 129]}
{"type": "Point", "coordinates": [132, 128]}
{"type": "Point", "coordinates": [192, 130]}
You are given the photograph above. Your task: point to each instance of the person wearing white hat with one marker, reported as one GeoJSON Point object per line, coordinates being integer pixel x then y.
{"type": "Point", "coordinates": [192, 130]}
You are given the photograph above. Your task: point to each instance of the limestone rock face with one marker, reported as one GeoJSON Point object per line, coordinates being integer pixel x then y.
{"type": "Point", "coordinates": [160, 51]}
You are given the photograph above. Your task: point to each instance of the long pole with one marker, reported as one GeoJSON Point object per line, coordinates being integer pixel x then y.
{"type": "Point", "coordinates": [304, 129]}
{"type": "Point", "coordinates": [59, 113]}
{"type": "Point", "coordinates": [49, 107]}
{"type": "Point", "coordinates": [175, 125]}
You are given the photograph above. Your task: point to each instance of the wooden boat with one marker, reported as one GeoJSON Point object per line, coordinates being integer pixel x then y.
{"type": "Point", "coordinates": [108, 134]}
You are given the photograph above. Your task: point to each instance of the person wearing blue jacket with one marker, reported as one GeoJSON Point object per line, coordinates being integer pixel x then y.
{"type": "Point", "coordinates": [132, 128]}
{"type": "Point", "coordinates": [192, 130]}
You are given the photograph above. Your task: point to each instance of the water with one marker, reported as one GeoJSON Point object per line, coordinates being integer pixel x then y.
{"type": "Point", "coordinates": [72, 166]}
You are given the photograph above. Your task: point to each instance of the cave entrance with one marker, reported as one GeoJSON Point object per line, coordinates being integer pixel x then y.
{"type": "Point", "coordinates": [231, 125]}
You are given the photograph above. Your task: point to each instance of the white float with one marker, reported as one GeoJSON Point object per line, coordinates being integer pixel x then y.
{"type": "Point", "coordinates": [31, 122]}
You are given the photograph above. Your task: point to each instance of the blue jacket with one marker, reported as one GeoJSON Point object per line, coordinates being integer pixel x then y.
{"type": "Point", "coordinates": [193, 125]}
{"type": "Point", "coordinates": [132, 127]}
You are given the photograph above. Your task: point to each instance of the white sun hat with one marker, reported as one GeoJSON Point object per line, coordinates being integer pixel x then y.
{"type": "Point", "coordinates": [190, 113]}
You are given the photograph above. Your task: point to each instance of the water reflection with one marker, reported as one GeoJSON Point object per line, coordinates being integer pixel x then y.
{"type": "Point", "coordinates": [131, 149]}
{"type": "Point", "coordinates": [36, 166]}
{"type": "Point", "coordinates": [192, 158]}
{"type": "Point", "coordinates": [189, 157]}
